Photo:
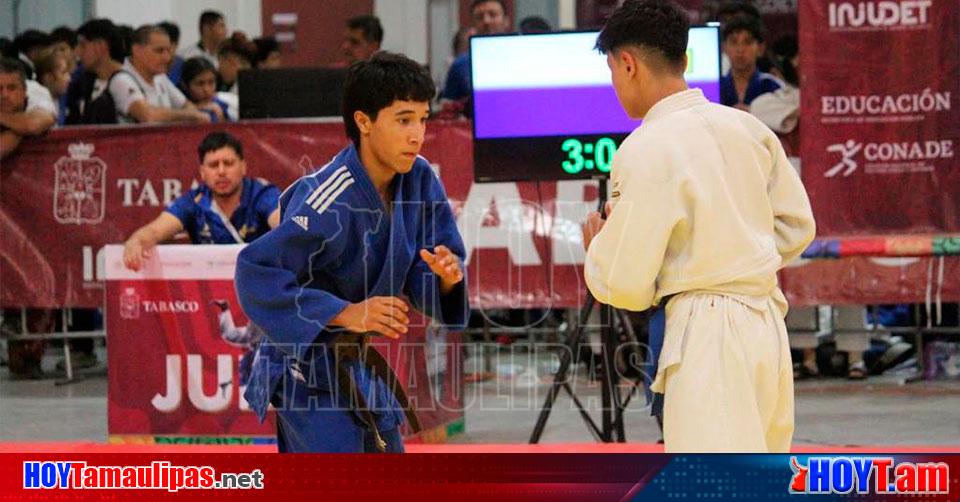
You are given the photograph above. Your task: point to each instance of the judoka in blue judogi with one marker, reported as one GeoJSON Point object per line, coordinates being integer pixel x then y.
{"type": "Point", "coordinates": [371, 226]}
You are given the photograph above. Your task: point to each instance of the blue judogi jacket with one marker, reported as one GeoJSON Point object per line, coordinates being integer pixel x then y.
{"type": "Point", "coordinates": [337, 244]}
{"type": "Point", "coordinates": [760, 83]}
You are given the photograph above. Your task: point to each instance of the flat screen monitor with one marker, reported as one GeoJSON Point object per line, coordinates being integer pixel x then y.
{"type": "Point", "coordinates": [291, 92]}
{"type": "Point", "coordinates": [545, 109]}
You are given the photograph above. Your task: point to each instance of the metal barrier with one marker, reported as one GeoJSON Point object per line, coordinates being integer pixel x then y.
{"type": "Point", "coordinates": [64, 334]}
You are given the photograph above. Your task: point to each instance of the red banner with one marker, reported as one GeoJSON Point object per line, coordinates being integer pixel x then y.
{"type": "Point", "coordinates": [880, 141]}
{"type": "Point", "coordinates": [178, 341]}
{"type": "Point", "coordinates": [866, 281]}
{"type": "Point", "coordinates": [66, 196]}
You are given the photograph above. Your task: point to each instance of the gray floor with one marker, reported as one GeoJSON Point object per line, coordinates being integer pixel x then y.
{"type": "Point", "coordinates": [879, 411]}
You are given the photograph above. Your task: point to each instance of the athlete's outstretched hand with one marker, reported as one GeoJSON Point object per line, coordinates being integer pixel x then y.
{"type": "Point", "coordinates": [446, 265]}
{"type": "Point", "coordinates": [386, 315]}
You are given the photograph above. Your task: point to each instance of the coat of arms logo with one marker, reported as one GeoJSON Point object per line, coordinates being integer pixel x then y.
{"type": "Point", "coordinates": [79, 186]}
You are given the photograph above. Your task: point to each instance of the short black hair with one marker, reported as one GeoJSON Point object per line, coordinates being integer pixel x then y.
{"type": "Point", "coordinates": [64, 34]}
{"type": "Point", "coordinates": [265, 45]}
{"type": "Point", "coordinates": [238, 47]}
{"type": "Point", "coordinates": [534, 24]}
{"type": "Point", "coordinates": [173, 31]}
{"type": "Point", "coordinates": [217, 140]}
{"type": "Point", "coordinates": [737, 8]}
{"type": "Point", "coordinates": [31, 39]}
{"type": "Point", "coordinates": [784, 50]}
{"type": "Point", "coordinates": [104, 29]}
{"type": "Point", "coordinates": [126, 36]}
{"type": "Point", "coordinates": [375, 84]}
{"type": "Point", "coordinates": [209, 17]}
{"type": "Point", "coordinates": [191, 68]}
{"type": "Point", "coordinates": [749, 24]}
{"type": "Point", "coordinates": [785, 46]}
{"type": "Point", "coordinates": [142, 35]}
{"type": "Point", "coordinates": [658, 26]}
{"type": "Point", "coordinates": [7, 49]}
{"type": "Point", "coordinates": [475, 3]}
{"type": "Point", "coordinates": [10, 65]}
{"type": "Point", "coordinates": [370, 27]}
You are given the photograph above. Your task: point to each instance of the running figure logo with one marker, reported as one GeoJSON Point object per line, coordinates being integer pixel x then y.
{"type": "Point", "coordinates": [847, 151]}
{"type": "Point", "coordinates": [79, 187]}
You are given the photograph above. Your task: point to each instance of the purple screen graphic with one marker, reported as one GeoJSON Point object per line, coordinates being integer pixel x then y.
{"type": "Point", "coordinates": [506, 113]}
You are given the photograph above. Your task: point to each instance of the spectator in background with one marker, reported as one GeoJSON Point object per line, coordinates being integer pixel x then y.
{"type": "Point", "coordinates": [534, 24]}
{"type": "Point", "coordinates": [227, 208]}
{"type": "Point", "coordinates": [362, 40]}
{"type": "Point", "coordinates": [728, 11]}
{"type": "Point", "coordinates": [235, 55]}
{"type": "Point", "coordinates": [53, 72]}
{"type": "Point", "coordinates": [19, 115]}
{"type": "Point", "coordinates": [65, 42]}
{"type": "Point", "coordinates": [489, 17]}
{"type": "Point", "coordinates": [142, 91]}
{"type": "Point", "coordinates": [199, 84]}
{"type": "Point", "coordinates": [786, 59]}
{"type": "Point", "coordinates": [28, 45]}
{"type": "Point", "coordinates": [743, 43]}
{"type": "Point", "coordinates": [461, 41]}
{"type": "Point", "coordinates": [213, 33]}
{"type": "Point", "coordinates": [780, 109]}
{"type": "Point", "coordinates": [176, 65]}
{"type": "Point", "coordinates": [90, 98]}
{"type": "Point", "coordinates": [268, 53]}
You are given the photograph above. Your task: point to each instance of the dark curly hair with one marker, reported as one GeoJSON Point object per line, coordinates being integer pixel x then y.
{"type": "Point", "coordinates": [749, 24]}
{"type": "Point", "coordinates": [217, 140]}
{"type": "Point", "coordinates": [657, 27]}
{"type": "Point", "coordinates": [376, 83]}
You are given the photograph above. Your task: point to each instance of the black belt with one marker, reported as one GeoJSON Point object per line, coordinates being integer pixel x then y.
{"type": "Point", "coordinates": [353, 347]}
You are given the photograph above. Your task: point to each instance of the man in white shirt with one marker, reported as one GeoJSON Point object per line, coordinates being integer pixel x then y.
{"type": "Point", "coordinates": [213, 32]}
{"type": "Point", "coordinates": [705, 210]}
{"type": "Point", "coordinates": [142, 92]}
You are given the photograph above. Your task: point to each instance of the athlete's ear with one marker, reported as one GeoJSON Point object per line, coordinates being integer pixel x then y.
{"type": "Point", "coordinates": [363, 122]}
{"type": "Point", "coordinates": [629, 62]}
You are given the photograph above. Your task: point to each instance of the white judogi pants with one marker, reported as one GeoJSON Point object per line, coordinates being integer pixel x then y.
{"type": "Point", "coordinates": [726, 375]}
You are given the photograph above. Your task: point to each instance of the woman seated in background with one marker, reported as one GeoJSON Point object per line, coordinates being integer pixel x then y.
{"type": "Point", "coordinates": [199, 83]}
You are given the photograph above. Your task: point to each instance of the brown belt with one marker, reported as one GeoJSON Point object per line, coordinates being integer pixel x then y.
{"type": "Point", "coordinates": [352, 347]}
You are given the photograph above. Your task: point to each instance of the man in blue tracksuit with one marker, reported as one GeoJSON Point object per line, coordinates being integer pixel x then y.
{"type": "Point", "coordinates": [371, 226]}
{"type": "Point", "coordinates": [227, 208]}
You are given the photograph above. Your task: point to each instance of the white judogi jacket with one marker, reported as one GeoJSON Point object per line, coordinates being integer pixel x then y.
{"type": "Point", "coordinates": [778, 109]}
{"type": "Point", "coordinates": [704, 200]}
